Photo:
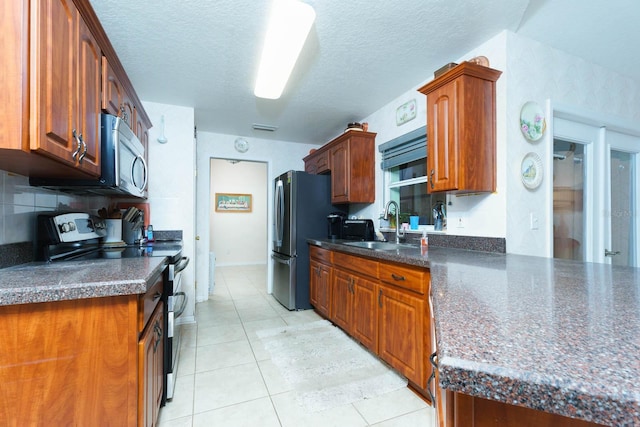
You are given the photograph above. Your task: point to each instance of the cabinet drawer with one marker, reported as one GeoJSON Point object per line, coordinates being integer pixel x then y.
{"type": "Point", "coordinates": [413, 279]}
{"type": "Point", "coordinates": [147, 302]}
{"type": "Point", "coordinates": [355, 263]}
{"type": "Point", "coordinates": [322, 255]}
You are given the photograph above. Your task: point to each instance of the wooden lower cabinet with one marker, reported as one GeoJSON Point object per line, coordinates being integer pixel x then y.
{"type": "Point", "coordinates": [341, 301]}
{"type": "Point", "coordinates": [151, 369]}
{"type": "Point", "coordinates": [368, 304]}
{"type": "Point", "coordinates": [464, 411]}
{"type": "Point", "coordinates": [320, 286]}
{"type": "Point", "coordinates": [85, 362]}
{"type": "Point", "coordinates": [320, 274]}
{"type": "Point", "coordinates": [401, 333]}
{"type": "Point", "coordinates": [354, 307]}
{"type": "Point", "coordinates": [364, 327]}
{"type": "Point", "coordinates": [70, 363]}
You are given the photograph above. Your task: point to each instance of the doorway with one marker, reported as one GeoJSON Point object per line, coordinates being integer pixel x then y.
{"type": "Point", "coordinates": [595, 193]}
{"type": "Point", "coordinates": [238, 235]}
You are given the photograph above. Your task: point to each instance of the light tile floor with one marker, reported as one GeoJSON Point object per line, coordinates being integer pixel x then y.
{"type": "Point", "coordinates": [226, 377]}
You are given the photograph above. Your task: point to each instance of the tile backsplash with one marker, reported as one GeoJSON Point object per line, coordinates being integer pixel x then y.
{"type": "Point", "coordinates": [20, 203]}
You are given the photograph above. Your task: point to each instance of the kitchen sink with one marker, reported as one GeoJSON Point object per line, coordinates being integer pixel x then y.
{"type": "Point", "coordinates": [381, 246]}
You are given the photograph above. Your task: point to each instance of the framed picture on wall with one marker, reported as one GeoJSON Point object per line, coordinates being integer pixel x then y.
{"type": "Point", "coordinates": [230, 202]}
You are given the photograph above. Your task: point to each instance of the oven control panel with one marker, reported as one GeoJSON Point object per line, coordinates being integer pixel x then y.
{"type": "Point", "coordinates": [77, 226]}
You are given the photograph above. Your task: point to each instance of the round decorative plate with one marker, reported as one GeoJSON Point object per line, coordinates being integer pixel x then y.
{"type": "Point", "coordinates": [531, 171]}
{"type": "Point", "coordinates": [241, 145]}
{"type": "Point", "coordinates": [532, 122]}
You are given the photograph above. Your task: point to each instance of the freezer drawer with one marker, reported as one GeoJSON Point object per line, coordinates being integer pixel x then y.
{"type": "Point", "coordinates": [284, 280]}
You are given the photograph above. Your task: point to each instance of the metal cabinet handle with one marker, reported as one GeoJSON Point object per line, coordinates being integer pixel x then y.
{"type": "Point", "coordinates": [124, 115]}
{"type": "Point", "coordinates": [157, 295]}
{"type": "Point", "coordinates": [158, 331]}
{"type": "Point", "coordinates": [84, 152]}
{"type": "Point", "coordinates": [431, 177]}
{"type": "Point", "coordinates": [432, 377]}
{"type": "Point", "coordinates": [397, 277]}
{"type": "Point", "coordinates": [607, 252]}
{"type": "Point", "coordinates": [79, 145]}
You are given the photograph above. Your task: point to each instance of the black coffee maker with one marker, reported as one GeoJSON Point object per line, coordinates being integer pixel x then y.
{"type": "Point", "coordinates": [335, 221]}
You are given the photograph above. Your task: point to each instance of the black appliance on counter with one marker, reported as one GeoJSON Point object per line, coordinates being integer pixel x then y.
{"type": "Point", "coordinates": [358, 229]}
{"type": "Point", "coordinates": [75, 236]}
{"type": "Point", "coordinates": [335, 223]}
{"type": "Point", "coordinates": [301, 204]}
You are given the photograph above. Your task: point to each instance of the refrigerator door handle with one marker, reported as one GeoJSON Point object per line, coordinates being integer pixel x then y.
{"type": "Point", "coordinates": [278, 207]}
{"type": "Point", "coordinates": [286, 261]}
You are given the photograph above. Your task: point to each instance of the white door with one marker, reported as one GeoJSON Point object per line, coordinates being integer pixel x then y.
{"type": "Point", "coordinates": [595, 200]}
{"type": "Point", "coordinates": [621, 219]}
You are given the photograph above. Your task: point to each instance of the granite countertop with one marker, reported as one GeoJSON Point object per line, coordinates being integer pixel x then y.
{"type": "Point", "coordinates": [43, 282]}
{"type": "Point", "coordinates": [554, 335]}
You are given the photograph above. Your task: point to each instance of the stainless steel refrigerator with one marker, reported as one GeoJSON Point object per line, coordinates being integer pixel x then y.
{"type": "Point", "coordinates": [301, 204]}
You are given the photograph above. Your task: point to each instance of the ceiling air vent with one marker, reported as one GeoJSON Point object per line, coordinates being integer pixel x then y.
{"type": "Point", "coordinates": [266, 128]}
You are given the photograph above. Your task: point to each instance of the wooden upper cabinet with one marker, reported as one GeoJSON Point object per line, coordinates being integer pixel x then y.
{"type": "Point", "coordinates": [350, 159]}
{"type": "Point", "coordinates": [66, 91]}
{"type": "Point", "coordinates": [89, 89]}
{"type": "Point", "coordinates": [461, 130]}
{"type": "Point", "coordinates": [51, 90]}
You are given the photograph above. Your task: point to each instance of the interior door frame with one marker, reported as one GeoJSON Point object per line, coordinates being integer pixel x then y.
{"type": "Point", "coordinates": [597, 241]}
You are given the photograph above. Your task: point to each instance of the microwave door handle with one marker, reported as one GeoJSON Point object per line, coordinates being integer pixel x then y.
{"type": "Point", "coordinates": [144, 168]}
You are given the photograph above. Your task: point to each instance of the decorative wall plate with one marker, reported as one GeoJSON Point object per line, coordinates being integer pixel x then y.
{"type": "Point", "coordinates": [531, 171]}
{"type": "Point", "coordinates": [532, 122]}
{"type": "Point", "coordinates": [406, 112]}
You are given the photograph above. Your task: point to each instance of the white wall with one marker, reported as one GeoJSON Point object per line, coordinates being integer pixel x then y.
{"type": "Point", "coordinates": [536, 72]}
{"type": "Point", "coordinates": [280, 156]}
{"type": "Point", "coordinates": [172, 183]}
{"type": "Point", "coordinates": [239, 238]}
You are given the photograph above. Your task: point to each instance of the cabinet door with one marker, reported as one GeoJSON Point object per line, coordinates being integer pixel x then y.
{"type": "Point", "coordinates": [365, 313]}
{"type": "Point", "coordinates": [400, 332]}
{"type": "Point", "coordinates": [150, 359]}
{"type": "Point", "coordinates": [341, 300]}
{"type": "Point", "coordinates": [112, 90]}
{"type": "Point", "coordinates": [314, 278]}
{"type": "Point", "coordinates": [324, 288]}
{"type": "Point", "coordinates": [442, 134]}
{"type": "Point", "coordinates": [66, 90]}
{"type": "Point", "coordinates": [340, 173]}
{"type": "Point", "coordinates": [53, 90]}
{"type": "Point", "coordinates": [89, 90]}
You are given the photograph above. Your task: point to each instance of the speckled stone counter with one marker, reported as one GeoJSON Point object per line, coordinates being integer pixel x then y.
{"type": "Point", "coordinates": [553, 335]}
{"type": "Point", "coordinates": [42, 282]}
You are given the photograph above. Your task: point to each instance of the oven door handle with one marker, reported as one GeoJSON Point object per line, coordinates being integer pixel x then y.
{"type": "Point", "coordinates": [179, 312]}
{"type": "Point", "coordinates": [182, 264]}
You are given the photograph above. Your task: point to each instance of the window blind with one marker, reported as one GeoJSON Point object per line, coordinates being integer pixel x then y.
{"type": "Point", "coordinates": [404, 149]}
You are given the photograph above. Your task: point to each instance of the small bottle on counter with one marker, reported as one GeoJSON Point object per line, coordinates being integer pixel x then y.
{"type": "Point", "coordinates": [150, 233]}
{"type": "Point", "coordinates": [424, 243]}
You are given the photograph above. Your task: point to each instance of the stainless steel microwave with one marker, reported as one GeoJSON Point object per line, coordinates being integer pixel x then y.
{"type": "Point", "coordinates": [123, 168]}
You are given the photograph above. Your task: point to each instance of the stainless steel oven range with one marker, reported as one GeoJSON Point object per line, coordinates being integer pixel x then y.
{"type": "Point", "coordinates": [77, 236]}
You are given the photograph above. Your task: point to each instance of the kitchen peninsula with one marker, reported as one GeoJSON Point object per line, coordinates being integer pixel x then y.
{"type": "Point", "coordinates": [534, 334]}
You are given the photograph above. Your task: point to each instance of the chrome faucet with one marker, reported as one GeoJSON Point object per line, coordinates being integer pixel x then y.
{"type": "Point", "coordinates": [386, 217]}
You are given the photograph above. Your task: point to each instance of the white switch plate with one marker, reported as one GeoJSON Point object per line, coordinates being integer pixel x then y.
{"type": "Point", "coordinates": [460, 223]}
{"type": "Point", "coordinates": [533, 219]}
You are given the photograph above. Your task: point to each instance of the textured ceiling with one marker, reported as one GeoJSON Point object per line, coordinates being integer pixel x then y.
{"type": "Point", "coordinates": [360, 55]}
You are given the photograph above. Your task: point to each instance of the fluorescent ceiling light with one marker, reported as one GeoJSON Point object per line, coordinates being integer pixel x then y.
{"type": "Point", "coordinates": [289, 26]}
